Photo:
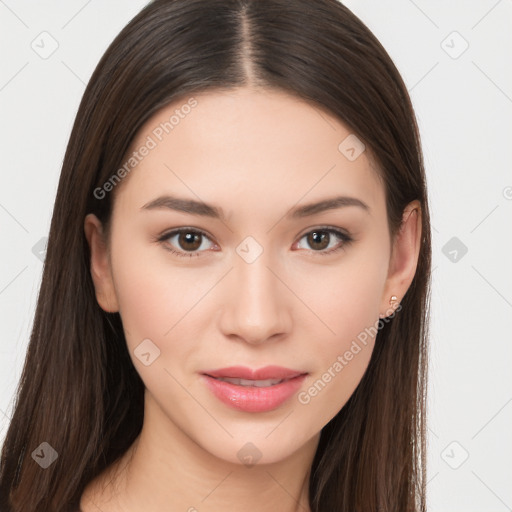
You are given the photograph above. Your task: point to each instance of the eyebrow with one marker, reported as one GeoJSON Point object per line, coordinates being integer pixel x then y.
{"type": "Point", "coordinates": [194, 207]}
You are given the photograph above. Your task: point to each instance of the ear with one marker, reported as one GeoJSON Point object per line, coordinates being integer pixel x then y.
{"type": "Point", "coordinates": [404, 258]}
{"type": "Point", "coordinates": [101, 271]}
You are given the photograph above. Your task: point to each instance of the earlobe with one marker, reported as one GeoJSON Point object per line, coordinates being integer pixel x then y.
{"type": "Point", "coordinates": [100, 269]}
{"type": "Point", "coordinates": [404, 259]}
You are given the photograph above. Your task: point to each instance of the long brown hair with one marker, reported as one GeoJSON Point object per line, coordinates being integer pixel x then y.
{"type": "Point", "coordinates": [79, 390]}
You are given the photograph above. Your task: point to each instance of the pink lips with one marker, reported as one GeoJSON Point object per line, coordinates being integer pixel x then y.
{"type": "Point", "coordinates": [251, 398]}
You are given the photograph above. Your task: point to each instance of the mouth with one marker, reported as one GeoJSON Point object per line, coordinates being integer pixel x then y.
{"type": "Point", "coordinates": [254, 390]}
{"type": "Point", "coordinates": [243, 373]}
{"type": "Point", "coordinates": [248, 382]}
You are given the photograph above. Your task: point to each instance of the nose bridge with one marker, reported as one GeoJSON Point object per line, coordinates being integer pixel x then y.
{"type": "Point", "coordinates": [256, 307]}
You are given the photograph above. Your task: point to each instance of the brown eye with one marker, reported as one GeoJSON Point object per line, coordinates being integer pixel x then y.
{"type": "Point", "coordinates": [321, 239]}
{"type": "Point", "coordinates": [187, 242]}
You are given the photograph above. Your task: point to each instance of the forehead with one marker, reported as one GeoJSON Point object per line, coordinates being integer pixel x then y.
{"type": "Point", "coordinates": [265, 146]}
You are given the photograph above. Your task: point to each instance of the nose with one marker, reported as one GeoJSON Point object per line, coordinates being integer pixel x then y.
{"type": "Point", "coordinates": [257, 304]}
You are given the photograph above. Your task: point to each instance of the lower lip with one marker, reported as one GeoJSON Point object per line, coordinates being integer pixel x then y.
{"type": "Point", "coordinates": [251, 398]}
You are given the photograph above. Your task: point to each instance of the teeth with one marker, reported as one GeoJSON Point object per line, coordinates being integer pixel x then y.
{"type": "Point", "coordinates": [255, 383]}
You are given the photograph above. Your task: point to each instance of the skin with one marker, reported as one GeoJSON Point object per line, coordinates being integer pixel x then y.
{"type": "Point", "coordinates": [257, 154]}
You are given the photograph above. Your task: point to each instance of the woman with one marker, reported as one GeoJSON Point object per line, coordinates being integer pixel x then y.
{"type": "Point", "coordinates": [234, 306]}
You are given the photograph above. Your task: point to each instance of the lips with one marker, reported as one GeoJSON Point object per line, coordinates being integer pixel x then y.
{"type": "Point", "coordinates": [256, 383]}
{"type": "Point", "coordinates": [250, 390]}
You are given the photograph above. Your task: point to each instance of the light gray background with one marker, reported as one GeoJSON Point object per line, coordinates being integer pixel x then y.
{"type": "Point", "coordinates": [463, 100]}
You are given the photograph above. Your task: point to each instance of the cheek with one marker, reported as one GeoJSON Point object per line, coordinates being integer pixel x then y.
{"type": "Point", "coordinates": [347, 297]}
{"type": "Point", "coordinates": [153, 306]}
{"type": "Point", "coordinates": [144, 299]}
{"type": "Point", "coordinates": [160, 303]}
{"type": "Point", "coordinates": [152, 299]}
{"type": "Point", "coordinates": [349, 306]}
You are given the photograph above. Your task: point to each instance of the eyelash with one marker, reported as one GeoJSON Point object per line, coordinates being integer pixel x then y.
{"type": "Point", "coordinates": [345, 238]}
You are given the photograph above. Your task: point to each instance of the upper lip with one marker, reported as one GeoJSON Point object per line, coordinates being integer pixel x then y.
{"type": "Point", "coordinates": [243, 372]}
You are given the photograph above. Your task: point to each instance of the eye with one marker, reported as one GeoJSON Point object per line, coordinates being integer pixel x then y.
{"type": "Point", "coordinates": [320, 239]}
{"type": "Point", "coordinates": [188, 242]}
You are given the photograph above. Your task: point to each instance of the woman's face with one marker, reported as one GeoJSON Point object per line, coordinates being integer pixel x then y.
{"type": "Point", "coordinates": [256, 278]}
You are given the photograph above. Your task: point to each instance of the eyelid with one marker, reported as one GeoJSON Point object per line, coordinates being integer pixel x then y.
{"type": "Point", "coordinates": [326, 227]}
